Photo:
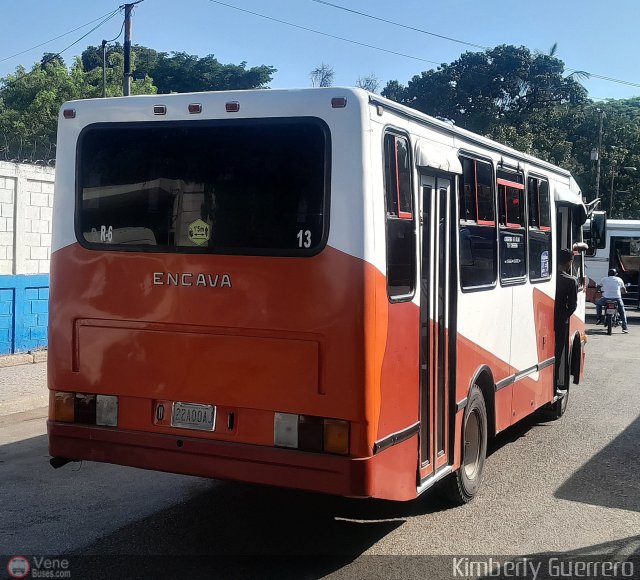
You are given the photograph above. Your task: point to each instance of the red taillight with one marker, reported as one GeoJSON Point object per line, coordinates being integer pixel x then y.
{"type": "Point", "coordinates": [339, 102]}
{"type": "Point", "coordinates": [69, 113]}
{"type": "Point", "coordinates": [159, 109]}
{"type": "Point", "coordinates": [195, 108]}
{"type": "Point", "coordinates": [232, 106]}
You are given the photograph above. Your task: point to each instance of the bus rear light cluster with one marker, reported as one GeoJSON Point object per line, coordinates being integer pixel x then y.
{"type": "Point", "coordinates": [86, 409]}
{"type": "Point", "coordinates": [309, 433]}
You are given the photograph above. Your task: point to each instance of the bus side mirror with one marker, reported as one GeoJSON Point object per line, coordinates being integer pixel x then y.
{"type": "Point", "coordinates": [598, 233]}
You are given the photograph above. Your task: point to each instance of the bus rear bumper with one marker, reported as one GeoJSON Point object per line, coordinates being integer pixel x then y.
{"type": "Point", "coordinates": [214, 459]}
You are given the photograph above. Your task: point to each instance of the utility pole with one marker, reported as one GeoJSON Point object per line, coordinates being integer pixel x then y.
{"type": "Point", "coordinates": [613, 177]}
{"type": "Point", "coordinates": [599, 154]}
{"type": "Point", "coordinates": [126, 79]}
{"type": "Point", "coordinates": [104, 69]}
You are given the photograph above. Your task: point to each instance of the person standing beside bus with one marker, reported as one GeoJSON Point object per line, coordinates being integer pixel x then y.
{"type": "Point", "coordinates": [612, 288]}
{"type": "Point", "coordinates": [565, 305]}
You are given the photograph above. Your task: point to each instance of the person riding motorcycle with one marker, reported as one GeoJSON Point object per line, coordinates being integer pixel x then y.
{"type": "Point", "coordinates": [612, 286]}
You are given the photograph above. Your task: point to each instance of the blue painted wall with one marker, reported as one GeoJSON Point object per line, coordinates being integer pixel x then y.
{"type": "Point", "coordinates": [24, 310]}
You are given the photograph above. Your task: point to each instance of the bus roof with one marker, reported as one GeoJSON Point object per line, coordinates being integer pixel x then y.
{"type": "Point", "coordinates": [127, 106]}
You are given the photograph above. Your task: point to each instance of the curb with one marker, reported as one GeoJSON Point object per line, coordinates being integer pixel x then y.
{"type": "Point", "coordinates": [10, 360]}
{"type": "Point", "coordinates": [24, 404]}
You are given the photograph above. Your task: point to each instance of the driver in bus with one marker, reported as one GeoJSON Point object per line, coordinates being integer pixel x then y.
{"type": "Point", "coordinates": [612, 289]}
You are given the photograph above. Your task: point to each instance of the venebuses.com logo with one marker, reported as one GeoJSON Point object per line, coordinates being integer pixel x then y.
{"type": "Point", "coordinates": [18, 567]}
{"type": "Point", "coordinates": [38, 567]}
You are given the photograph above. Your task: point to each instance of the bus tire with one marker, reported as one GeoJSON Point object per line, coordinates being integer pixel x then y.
{"type": "Point", "coordinates": [461, 487]}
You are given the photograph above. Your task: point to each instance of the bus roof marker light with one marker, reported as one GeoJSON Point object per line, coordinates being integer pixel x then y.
{"type": "Point", "coordinates": [339, 102]}
{"type": "Point", "coordinates": [195, 108]}
{"type": "Point", "coordinates": [232, 106]}
{"type": "Point", "coordinates": [159, 109]}
{"type": "Point", "coordinates": [69, 113]}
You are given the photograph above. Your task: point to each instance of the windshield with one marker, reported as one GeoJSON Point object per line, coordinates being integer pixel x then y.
{"type": "Point", "coordinates": [243, 187]}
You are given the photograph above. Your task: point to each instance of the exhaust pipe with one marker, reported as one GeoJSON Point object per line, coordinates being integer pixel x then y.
{"type": "Point", "coordinates": [58, 462]}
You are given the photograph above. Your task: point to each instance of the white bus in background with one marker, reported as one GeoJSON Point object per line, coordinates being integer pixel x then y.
{"type": "Point", "coordinates": [620, 249]}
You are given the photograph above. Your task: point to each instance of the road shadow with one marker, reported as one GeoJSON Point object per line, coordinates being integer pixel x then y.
{"type": "Point", "coordinates": [610, 478]}
{"type": "Point", "coordinates": [242, 531]}
{"type": "Point", "coordinates": [514, 432]}
{"type": "Point", "coordinates": [624, 554]}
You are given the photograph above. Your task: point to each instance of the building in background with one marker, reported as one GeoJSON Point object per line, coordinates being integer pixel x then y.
{"type": "Point", "coordinates": [26, 206]}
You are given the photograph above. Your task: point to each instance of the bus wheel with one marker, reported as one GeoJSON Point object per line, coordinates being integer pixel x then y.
{"type": "Point", "coordinates": [461, 486]}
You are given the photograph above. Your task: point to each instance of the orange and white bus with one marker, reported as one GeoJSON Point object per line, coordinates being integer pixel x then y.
{"type": "Point", "coordinates": [317, 289]}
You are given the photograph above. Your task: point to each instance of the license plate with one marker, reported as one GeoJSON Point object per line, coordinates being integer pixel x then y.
{"type": "Point", "coordinates": [612, 310]}
{"type": "Point", "coordinates": [193, 416]}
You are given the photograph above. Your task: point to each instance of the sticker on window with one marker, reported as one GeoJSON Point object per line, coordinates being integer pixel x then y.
{"type": "Point", "coordinates": [199, 232]}
{"type": "Point", "coordinates": [544, 264]}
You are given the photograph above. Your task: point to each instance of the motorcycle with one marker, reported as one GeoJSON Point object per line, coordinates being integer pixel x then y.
{"type": "Point", "coordinates": [611, 315]}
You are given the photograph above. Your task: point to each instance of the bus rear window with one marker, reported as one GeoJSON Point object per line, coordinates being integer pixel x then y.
{"type": "Point", "coordinates": [240, 187]}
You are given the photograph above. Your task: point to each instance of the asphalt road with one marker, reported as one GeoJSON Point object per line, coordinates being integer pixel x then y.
{"type": "Point", "coordinates": [571, 487]}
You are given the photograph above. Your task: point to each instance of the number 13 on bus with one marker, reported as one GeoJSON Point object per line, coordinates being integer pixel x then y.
{"type": "Point", "coordinates": [317, 289]}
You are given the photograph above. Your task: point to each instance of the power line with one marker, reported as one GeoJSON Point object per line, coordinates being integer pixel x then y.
{"type": "Point", "coordinates": [58, 54]}
{"type": "Point", "coordinates": [400, 25]}
{"type": "Point", "coordinates": [57, 37]}
{"type": "Point", "coordinates": [325, 33]}
{"type": "Point", "coordinates": [572, 70]}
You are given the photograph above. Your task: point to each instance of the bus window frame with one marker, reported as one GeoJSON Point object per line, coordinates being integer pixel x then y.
{"type": "Point", "coordinates": [186, 250]}
{"type": "Point", "coordinates": [493, 224]}
{"type": "Point", "coordinates": [545, 229]}
{"type": "Point", "coordinates": [406, 217]}
{"type": "Point", "coordinates": [506, 226]}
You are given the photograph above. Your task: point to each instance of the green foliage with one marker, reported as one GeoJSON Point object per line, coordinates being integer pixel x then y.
{"type": "Point", "coordinates": [502, 86]}
{"type": "Point", "coordinates": [180, 72]}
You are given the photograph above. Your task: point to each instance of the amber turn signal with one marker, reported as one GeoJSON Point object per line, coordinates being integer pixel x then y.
{"type": "Point", "coordinates": [336, 436]}
{"type": "Point", "coordinates": [64, 407]}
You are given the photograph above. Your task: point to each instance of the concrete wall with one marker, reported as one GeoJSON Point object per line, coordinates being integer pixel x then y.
{"type": "Point", "coordinates": [26, 206]}
{"type": "Point", "coordinates": [26, 202]}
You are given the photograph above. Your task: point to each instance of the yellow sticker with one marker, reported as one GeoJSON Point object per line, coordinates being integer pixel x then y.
{"type": "Point", "coordinates": [199, 232]}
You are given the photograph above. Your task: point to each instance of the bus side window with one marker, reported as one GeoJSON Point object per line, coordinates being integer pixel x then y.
{"type": "Point", "coordinates": [511, 202]}
{"type": "Point", "coordinates": [540, 250]}
{"type": "Point", "coordinates": [400, 225]}
{"type": "Point", "coordinates": [477, 234]}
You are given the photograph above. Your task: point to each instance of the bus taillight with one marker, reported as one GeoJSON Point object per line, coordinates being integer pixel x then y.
{"type": "Point", "coordinates": [86, 409]}
{"type": "Point", "coordinates": [309, 433]}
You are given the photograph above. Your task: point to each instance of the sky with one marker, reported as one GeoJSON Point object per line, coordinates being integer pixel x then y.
{"type": "Point", "coordinates": [296, 36]}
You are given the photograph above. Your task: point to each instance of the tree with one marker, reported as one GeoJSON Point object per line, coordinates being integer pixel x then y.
{"type": "Point", "coordinates": [504, 85]}
{"type": "Point", "coordinates": [30, 104]}
{"type": "Point", "coordinates": [180, 72]}
{"type": "Point", "coordinates": [369, 83]}
{"type": "Point", "coordinates": [322, 76]}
